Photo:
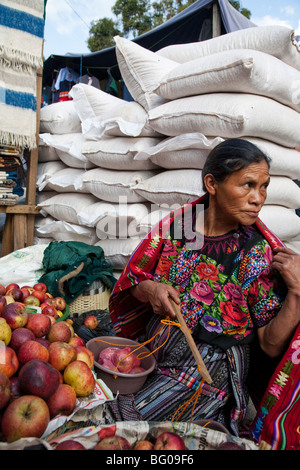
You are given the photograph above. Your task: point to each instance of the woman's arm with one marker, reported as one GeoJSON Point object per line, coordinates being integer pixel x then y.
{"type": "Point", "coordinates": [157, 294]}
{"type": "Point", "coordinates": [275, 336]}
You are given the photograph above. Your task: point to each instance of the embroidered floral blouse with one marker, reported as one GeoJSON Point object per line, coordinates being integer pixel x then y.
{"type": "Point", "coordinates": [226, 287]}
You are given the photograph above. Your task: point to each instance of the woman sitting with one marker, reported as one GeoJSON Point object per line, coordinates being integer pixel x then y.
{"type": "Point", "coordinates": [234, 281]}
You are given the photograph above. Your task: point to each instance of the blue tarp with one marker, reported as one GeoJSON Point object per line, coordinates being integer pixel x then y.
{"type": "Point", "coordinates": [191, 25]}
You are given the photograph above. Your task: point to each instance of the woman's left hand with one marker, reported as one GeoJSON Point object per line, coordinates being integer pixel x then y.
{"type": "Point", "coordinates": [287, 263]}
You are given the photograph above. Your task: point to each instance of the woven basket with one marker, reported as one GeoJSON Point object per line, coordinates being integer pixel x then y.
{"type": "Point", "coordinates": [86, 303]}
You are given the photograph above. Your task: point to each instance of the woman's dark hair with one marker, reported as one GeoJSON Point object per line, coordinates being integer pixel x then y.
{"type": "Point", "coordinates": [230, 156]}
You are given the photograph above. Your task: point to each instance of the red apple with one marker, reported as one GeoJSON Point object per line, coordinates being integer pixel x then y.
{"type": "Point", "coordinates": [15, 314]}
{"type": "Point", "coordinates": [62, 401]}
{"type": "Point", "coordinates": [48, 295]}
{"type": "Point", "coordinates": [70, 444]}
{"type": "Point", "coordinates": [5, 332]}
{"type": "Point", "coordinates": [113, 443]}
{"type": "Point", "coordinates": [32, 350]}
{"type": "Point", "coordinates": [2, 289]}
{"type": "Point", "coordinates": [61, 354]}
{"type": "Point", "coordinates": [9, 362]}
{"type": "Point", "coordinates": [20, 336]}
{"type": "Point", "coordinates": [143, 445]}
{"type": "Point", "coordinates": [27, 416]}
{"type": "Point", "coordinates": [15, 391]}
{"type": "Point", "coordinates": [85, 355]}
{"type": "Point", "coordinates": [39, 378]}
{"type": "Point", "coordinates": [80, 377]}
{"type": "Point", "coordinates": [43, 341]}
{"type": "Point", "coordinates": [52, 319]}
{"type": "Point", "coordinates": [76, 341]}
{"type": "Point", "coordinates": [49, 310]}
{"type": "Point", "coordinates": [16, 293]}
{"type": "Point", "coordinates": [59, 331]}
{"type": "Point", "coordinates": [124, 359]}
{"type": "Point", "coordinates": [39, 324]}
{"type": "Point", "coordinates": [60, 303]}
{"type": "Point", "coordinates": [169, 441]}
{"type": "Point", "coordinates": [26, 291]}
{"type": "Point", "coordinates": [39, 295]}
{"type": "Point", "coordinates": [40, 286]}
{"type": "Point", "coordinates": [4, 390]}
{"type": "Point", "coordinates": [49, 301]}
{"type": "Point", "coordinates": [31, 300]}
{"type": "Point", "coordinates": [91, 322]}
{"type": "Point", "coordinates": [108, 431]}
{"type": "Point", "coordinates": [11, 285]}
{"type": "Point", "coordinates": [3, 302]}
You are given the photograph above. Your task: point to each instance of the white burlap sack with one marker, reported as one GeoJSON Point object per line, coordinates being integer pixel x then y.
{"type": "Point", "coordinates": [171, 187]}
{"type": "Point", "coordinates": [118, 153]}
{"type": "Point", "coordinates": [278, 41]}
{"type": "Point", "coordinates": [127, 213]}
{"type": "Point", "coordinates": [103, 114]}
{"type": "Point", "coordinates": [68, 180]}
{"type": "Point", "coordinates": [283, 191]}
{"type": "Point", "coordinates": [66, 206]}
{"type": "Point", "coordinates": [44, 172]}
{"type": "Point", "coordinates": [282, 221]}
{"type": "Point", "coordinates": [284, 161]}
{"type": "Point", "coordinates": [114, 185]}
{"type": "Point", "coordinates": [67, 147]}
{"type": "Point", "coordinates": [59, 118]}
{"type": "Point", "coordinates": [183, 151]}
{"type": "Point", "coordinates": [141, 69]}
{"type": "Point", "coordinates": [229, 115]}
{"type": "Point", "coordinates": [46, 153]}
{"type": "Point", "coordinates": [118, 251]}
{"type": "Point", "coordinates": [60, 230]}
{"type": "Point", "coordinates": [238, 70]}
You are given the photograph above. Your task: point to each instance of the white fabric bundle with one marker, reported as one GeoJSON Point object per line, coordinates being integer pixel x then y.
{"type": "Point", "coordinates": [171, 187]}
{"type": "Point", "coordinates": [283, 191]}
{"type": "Point", "coordinates": [44, 172]}
{"type": "Point", "coordinates": [67, 147]}
{"type": "Point", "coordinates": [113, 185]}
{"type": "Point", "coordinates": [229, 115]}
{"type": "Point", "coordinates": [128, 213]}
{"type": "Point", "coordinates": [191, 150]}
{"type": "Point", "coordinates": [66, 206]}
{"type": "Point", "coordinates": [118, 251]}
{"type": "Point", "coordinates": [103, 114]}
{"type": "Point", "coordinates": [68, 180]}
{"type": "Point", "coordinates": [46, 153]}
{"type": "Point", "coordinates": [141, 69]}
{"type": "Point", "coordinates": [278, 41]}
{"type": "Point", "coordinates": [282, 221]}
{"type": "Point", "coordinates": [59, 118]}
{"type": "Point", "coordinates": [238, 70]}
{"type": "Point", "coordinates": [60, 230]}
{"type": "Point", "coordinates": [118, 153]}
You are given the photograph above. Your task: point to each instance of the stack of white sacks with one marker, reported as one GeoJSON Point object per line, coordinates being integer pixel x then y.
{"type": "Point", "coordinates": [110, 169]}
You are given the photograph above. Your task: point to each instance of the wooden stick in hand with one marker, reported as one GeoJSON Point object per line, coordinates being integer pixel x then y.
{"type": "Point", "coordinates": [185, 330]}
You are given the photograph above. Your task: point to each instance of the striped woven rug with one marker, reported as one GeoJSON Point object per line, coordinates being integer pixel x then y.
{"type": "Point", "coordinates": [21, 40]}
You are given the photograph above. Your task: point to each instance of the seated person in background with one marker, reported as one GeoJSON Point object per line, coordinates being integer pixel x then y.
{"type": "Point", "coordinates": [234, 281]}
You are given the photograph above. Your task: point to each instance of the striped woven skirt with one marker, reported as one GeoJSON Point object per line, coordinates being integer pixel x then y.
{"type": "Point", "coordinates": [175, 391]}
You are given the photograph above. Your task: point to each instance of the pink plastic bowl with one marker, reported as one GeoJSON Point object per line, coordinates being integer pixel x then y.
{"type": "Point", "coordinates": [118, 381]}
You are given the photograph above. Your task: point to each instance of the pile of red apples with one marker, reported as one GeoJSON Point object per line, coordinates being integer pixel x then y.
{"type": "Point", "coordinates": [44, 365]}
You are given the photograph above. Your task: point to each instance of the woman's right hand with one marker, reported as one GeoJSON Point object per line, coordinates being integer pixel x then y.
{"type": "Point", "coordinates": [158, 295]}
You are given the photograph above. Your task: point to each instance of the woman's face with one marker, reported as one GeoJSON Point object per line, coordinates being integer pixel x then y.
{"type": "Point", "coordinates": [242, 194]}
